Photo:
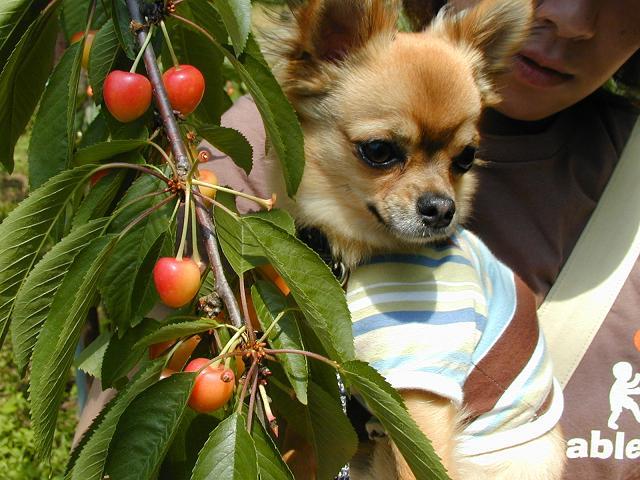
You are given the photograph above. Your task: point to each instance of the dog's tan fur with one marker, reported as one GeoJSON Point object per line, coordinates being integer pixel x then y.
{"type": "Point", "coordinates": [352, 77]}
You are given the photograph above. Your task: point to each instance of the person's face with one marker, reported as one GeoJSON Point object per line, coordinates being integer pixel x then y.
{"type": "Point", "coordinates": [573, 48]}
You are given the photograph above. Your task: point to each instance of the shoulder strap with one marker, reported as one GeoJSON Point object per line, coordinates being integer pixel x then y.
{"type": "Point", "coordinates": [598, 266]}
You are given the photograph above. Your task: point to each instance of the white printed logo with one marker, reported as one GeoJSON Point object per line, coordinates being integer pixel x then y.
{"type": "Point", "coordinates": [620, 447]}
{"type": "Point", "coordinates": [621, 390]}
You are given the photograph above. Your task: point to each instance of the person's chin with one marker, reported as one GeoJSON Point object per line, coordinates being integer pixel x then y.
{"type": "Point", "coordinates": [521, 101]}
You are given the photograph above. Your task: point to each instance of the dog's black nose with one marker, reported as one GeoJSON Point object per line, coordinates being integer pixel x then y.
{"type": "Point", "coordinates": [436, 211]}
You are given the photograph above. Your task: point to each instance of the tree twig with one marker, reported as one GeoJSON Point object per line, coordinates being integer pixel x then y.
{"type": "Point", "coordinates": [252, 400]}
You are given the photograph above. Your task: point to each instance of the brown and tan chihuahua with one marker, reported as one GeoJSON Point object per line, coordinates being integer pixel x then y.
{"type": "Point", "coordinates": [390, 128]}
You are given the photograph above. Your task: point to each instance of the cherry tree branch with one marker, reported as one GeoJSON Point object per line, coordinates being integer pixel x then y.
{"type": "Point", "coordinates": [183, 166]}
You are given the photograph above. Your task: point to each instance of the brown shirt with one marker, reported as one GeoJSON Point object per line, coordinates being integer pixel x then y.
{"type": "Point", "coordinates": [536, 193]}
{"type": "Point", "coordinates": [535, 196]}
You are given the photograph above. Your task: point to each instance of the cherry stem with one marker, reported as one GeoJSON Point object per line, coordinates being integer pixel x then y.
{"type": "Point", "coordinates": [305, 353]}
{"type": "Point", "coordinates": [144, 46]}
{"type": "Point", "coordinates": [275, 323]}
{"type": "Point", "coordinates": [263, 202]}
{"type": "Point", "coordinates": [50, 5]}
{"type": "Point", "coordinates": [266, 405]}
{"type": "Point", "coordinates": [185, 222]}
{"type": "Point", "coordinates": [245, 309]}
{"type": "Point", "coordinates": [138, 199]}
{"type": "Point", "coordinates": [217, 204]}
{"type": "Point", "coordinates": [218, 358]}
{"type": "Point", "coordinates": [195, 253]}
{"type": "Point", "coordinates": [249, 378]}
{"type": "Point", "coordinates": [92, 11]}
{"type": "Point", "coordinates": [252, 401]}
{"type": "Point", "coordinates": [167, 160]}
{"type": "Point", "coordinates": [144, 215]}
{"type": "Point", "coordinates": [141, 168]}
{"type": "Point", "coordinates": [174, 59]}
{"type": "Point", "coordinates": [231, 344]}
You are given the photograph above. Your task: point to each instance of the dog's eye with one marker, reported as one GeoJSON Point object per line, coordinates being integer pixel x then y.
{"type": "Point", "coordinates": [464, 160]}
{"type": "Point", "coordinates": [380, 153]}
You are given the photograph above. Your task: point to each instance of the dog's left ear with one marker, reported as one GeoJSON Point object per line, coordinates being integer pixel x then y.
{"type": "Point", "coordinates": [330, 30]}
{"type": "Point", "coordinates": [495, 29]}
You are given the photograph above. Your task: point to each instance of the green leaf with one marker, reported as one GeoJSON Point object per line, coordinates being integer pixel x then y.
{"type": "Point", "coordinates": [89, 458]}
{"type": "Point", "coordinates": [22, 80]}
{"type": "Point", "coordinates": [122, 21]}
{"type": "Point", "coordinates": [74, 16]}
{"type": "Point", "coordinates": [146, 428]}
{"type": "Point", "coordinates": [236, 15]}
{"type": "Point", "coordinates": [90, 360]}
{"type": "Point", "coordinates": [176, 330]}
{"type": "Point", "coordinates": [106, 150]}
{"type": "Point", "coordinates": [238, 244]}
{"type": "Point", "coordinates": [25, 232]}
{"type": "Point", "coordinates": [269, 304]}
{"type": "Point", "coordinates": [53, 136]}
{"type": "Point", "coordinates": [312, 284]}
{"type": "Point", "coordinates": [189, 439]}
{"type": "Point", "coordinates": [128, 274]}
{"type": "Point", "coordinates": [192, 49]}
{"type": "Point", "coordinates": [15, 18]}
{"type": "Point", "coordinates": [33, 301]}
{"type": "Point", "coordinates": [102, 58]}
{"type": "Point", "coordinates": [270, 463]}
{"type": "Point", "coordinates": [53, 353]}
{"type": "Point", "coordinates": [229, 453]}
{"type": "Point", "coordinates": [387, 405]}
{"type": "Point", "coordinates": [280, 119]}
{"type": "Point", "coordinates": [121, 356]}
{"type": "Point", "coordinates": [129, 258]}
{"type": "Point", "coordinates": [96, 132]}
{"type": "Point", "coordinates": [323, 424]}
{"type": "Point", "coordinates": [231, 142]}
{"type": "Point", "coordinates": [100, 198]}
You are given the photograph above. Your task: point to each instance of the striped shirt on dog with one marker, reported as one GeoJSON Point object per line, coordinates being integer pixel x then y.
{"type": "Point", "coordinates": [453, 320]}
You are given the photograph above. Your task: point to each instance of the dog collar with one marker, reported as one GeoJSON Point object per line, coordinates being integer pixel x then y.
{"type": "Point", "coordinates": [318, 242]}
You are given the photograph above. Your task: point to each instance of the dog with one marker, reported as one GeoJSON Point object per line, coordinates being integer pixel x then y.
{"type": "Point", "coordinates": [390, 128]}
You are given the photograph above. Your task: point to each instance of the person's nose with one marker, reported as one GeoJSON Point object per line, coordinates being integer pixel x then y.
{"type": "Point", "coordinates": [572, 19]}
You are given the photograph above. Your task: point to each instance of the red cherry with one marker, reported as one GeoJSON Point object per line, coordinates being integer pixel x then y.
{"type": "Point", "coordinates": [127, 95]}
{"type": "Point", "coordinates": [177, 281]}
{"type": "Point", "coordinates": [185, 87]}
{"type": "Point", "coordinates": [213, 387]}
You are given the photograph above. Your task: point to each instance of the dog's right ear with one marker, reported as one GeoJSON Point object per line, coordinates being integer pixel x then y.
{"type": "Point", "coordinates": [330, 30]}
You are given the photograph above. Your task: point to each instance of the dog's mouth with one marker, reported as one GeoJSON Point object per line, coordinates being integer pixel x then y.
{"type": "Point", "coordinates": [411, 228]}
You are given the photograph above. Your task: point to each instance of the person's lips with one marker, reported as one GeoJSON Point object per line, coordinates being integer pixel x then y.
{"type": "Point", "coordinates": [538, 73]}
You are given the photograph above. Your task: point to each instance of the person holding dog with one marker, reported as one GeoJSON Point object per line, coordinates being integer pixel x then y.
{"type": "Point", "coordinates": [547, 153]}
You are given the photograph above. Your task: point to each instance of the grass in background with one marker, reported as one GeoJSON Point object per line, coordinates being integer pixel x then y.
{"type": "Point", "coordinates": [17, 452]}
